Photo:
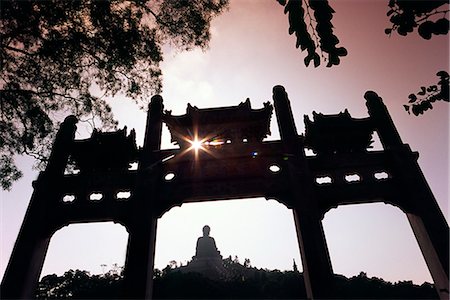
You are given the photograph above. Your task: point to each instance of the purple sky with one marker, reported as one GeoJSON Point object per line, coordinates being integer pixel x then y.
{"type": "Point", "coordinates": [250, 52]}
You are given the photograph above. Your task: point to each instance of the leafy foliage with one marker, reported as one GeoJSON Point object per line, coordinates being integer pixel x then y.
{"type": "Point", "coordinates": [55, 54]}
{"type": "Point", "coordinates": [248, 283]}
{"type": "Point", "coordinates": [80, 285]}
{"type": "Point", "coordinates": [429, 17]}
{"type": "Point", "coordinates": [422, 102]}
{"type": "Point", "coordinates": [364, 287]}
{"type": "Point", "coordinates": [314, 33]}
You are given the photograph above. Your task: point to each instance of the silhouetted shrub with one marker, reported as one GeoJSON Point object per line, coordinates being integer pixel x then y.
{"type": "Point", "coordinates": [246, 283]}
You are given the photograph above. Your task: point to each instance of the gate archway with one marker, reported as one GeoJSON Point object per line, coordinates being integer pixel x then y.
{"type": "Point", "coordinates": [86, 246]}
{"type": "Point", "coordinates": [222, 156]}
{"type": "Point", "coordinates": [379, 241]}
{"type": "Point", "coordinates": [259, 229]}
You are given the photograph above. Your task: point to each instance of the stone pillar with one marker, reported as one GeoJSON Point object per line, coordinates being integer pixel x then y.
{"type": "Point", "coordinates": [384, 125]}
{"type": "Point", "coordinates": [317, 270]}
{"type": "Point", "coordinates": [61, 147]}
{"type": "Point", "coordinates": [285, 118]}
{"type": "Point", "coordinates": [415, 197]}
{"type": "Point", "coordinates": [138, 273]}
{"type": "Point", "coordinates": [152, 139]}
{"type": "Point", "coordinates": [425, 217]}
{"type": "Point", "coordinates": [139, 263]}
{"type": "Point", "coordinates": [433, 240]}
{"type": "Point", "coordinates": [25, 265]}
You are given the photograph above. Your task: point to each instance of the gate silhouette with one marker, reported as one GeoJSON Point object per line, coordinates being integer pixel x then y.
{"type": "Point", "coordinates": [222, 155]}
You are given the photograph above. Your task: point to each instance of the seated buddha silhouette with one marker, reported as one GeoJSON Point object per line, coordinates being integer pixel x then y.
{"type": "Point", "coordinates": [206, 246]}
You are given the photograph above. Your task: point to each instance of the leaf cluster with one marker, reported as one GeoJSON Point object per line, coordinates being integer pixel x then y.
{"type": "Point", "coordinates": [65, 57]}
{"type": "Point", "coordinates": [429, 17]}
{"type": "Point", "coordinates": [422, 101]}
{"type": "Point", "coordinates": [310, 21]}
{"type": "Point", "coordinates": [364, 287]}
{"type": "Point", "coordinates": [249, 283]}
{"type": "Point", "coordinates": [80, 285]}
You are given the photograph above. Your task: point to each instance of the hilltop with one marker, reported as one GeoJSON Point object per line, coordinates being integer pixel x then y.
{"type": "Point", "coordinates": [241, 282]}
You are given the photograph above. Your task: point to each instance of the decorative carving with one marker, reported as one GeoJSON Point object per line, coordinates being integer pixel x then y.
{"type": "Point", "coordinates": [336, 134]}
{"type": "Point", "coordinates": [219, 125]}
{"type": "Point", "coordinates": [105, 151]}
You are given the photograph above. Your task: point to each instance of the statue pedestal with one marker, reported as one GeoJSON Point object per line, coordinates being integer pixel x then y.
{"type": "Point", "coordinates": [210, 267]}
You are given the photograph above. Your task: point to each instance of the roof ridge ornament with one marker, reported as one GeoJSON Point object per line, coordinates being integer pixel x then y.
{"type": "Point", "coordinates": [231, 123]}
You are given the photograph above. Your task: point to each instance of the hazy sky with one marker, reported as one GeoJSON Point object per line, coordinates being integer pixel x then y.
{"type": "Point", "coordinates": [250, 52]}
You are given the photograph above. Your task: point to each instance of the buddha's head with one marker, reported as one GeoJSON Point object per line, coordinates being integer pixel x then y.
{"type": "Point", "coordinates": [206, 230]}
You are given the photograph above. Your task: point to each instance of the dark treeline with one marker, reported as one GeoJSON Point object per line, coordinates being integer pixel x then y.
{"type": "Point", "coordinates": [241, 282]}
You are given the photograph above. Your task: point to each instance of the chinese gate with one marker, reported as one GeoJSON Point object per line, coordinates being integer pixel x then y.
{"type": "Point", "coordinates": [222, 155]}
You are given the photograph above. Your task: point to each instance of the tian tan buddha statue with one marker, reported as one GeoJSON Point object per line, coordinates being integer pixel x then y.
{"type": "Point", "coordinates": [206, 246]}
{"type": "Point", "coordinates": [207, 260]}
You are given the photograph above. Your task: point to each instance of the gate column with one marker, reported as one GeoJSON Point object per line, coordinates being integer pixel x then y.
{"type": "Point", "coordinates": [30, 249]}
{"type": "Point", "coordinates": [426, 219]}
{"type": "Point", "coordinates": [28, 255]}
{"type": "Point", "coordinates": [138, 272]}
{"type": "Point", "coordinates": [415, 197]}
{"type": "Point", "coordinates": [317, 269]}
{"type": "Point", "coordinates": [431, 231]}
{"type": "Point", "coordinates": [141, 225]}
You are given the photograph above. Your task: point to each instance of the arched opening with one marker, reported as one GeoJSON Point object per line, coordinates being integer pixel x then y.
{"type": "Point", "coordinates": [94, 247]}
{"type": "Point", "coordinates": [376, 239]}
{"type": "Point", "coordinates": [258, 229]}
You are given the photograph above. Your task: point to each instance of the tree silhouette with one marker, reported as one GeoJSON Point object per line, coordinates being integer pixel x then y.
{"type": "Point", "coordinates": [421, 102]}
{"type": "Point", "coordinates": [246, 283]}
{"type": "Point", "coordinates": [430, 18]}
{"type": "Point", "coordinates": [55, 53]}
{"type": "Point", "coordinates": [310, 20]}
{"type": "Point", "coordinates": [80, 285]}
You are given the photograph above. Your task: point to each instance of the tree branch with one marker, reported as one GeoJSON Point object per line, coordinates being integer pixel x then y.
{"type": "Point", "coordinates": [17, 50]}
